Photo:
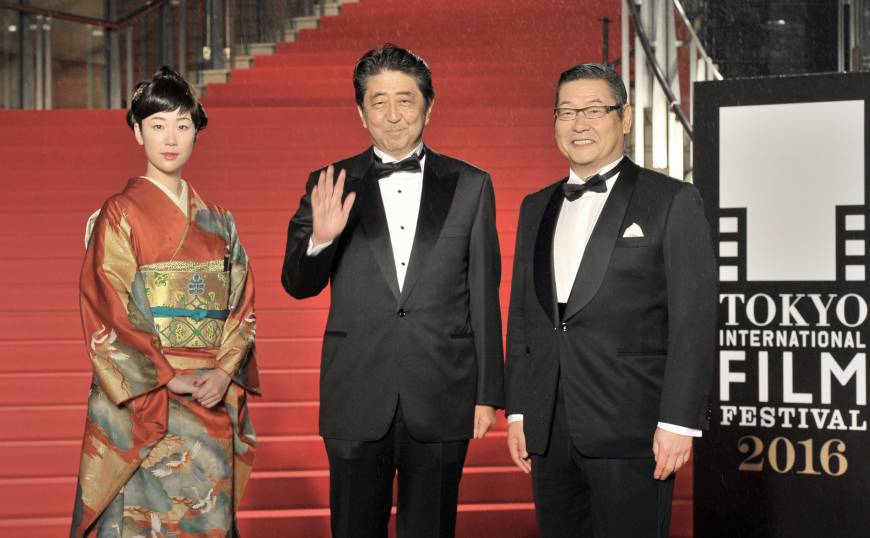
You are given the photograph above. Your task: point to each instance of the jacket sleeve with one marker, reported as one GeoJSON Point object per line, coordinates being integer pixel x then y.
{"type": "Point", "coordinates": [484, 277]}
{"type": "Point", "coordinates": [301, 275]}
{"type": "Point", "coordinates": [690, 269]}
{"type": "Point", "coordinates": [516, 358]}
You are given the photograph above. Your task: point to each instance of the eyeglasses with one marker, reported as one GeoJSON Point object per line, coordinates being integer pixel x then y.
{"type": "Point", "coordinates": [590, 112]}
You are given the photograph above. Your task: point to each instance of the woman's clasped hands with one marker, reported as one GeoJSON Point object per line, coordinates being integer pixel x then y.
{"type": "Point", "coordinates": [208, 387]}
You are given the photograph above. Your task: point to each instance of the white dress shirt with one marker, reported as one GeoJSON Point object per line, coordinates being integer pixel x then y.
{"type": "Point", "coordinates": [400, 192]}
{"type": "Point", "coordinates": [573, 229]}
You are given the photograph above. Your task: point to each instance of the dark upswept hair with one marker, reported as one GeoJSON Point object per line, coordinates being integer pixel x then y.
{"type": "Point", "coordinates": [165, 92]}
{"type": "Point", "coordinates": [392, 58]}
{"type": "Point", "coordinates": [595, 72]}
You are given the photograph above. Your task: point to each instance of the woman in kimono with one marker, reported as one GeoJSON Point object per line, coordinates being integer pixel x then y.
{"type": "Point", "coordinates": [167, 304]}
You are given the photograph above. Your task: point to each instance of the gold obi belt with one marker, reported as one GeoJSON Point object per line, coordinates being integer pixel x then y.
{"type": "Point", "coordinates": [188, 302]}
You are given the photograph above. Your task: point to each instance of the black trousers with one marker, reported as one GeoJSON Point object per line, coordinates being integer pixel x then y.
{"type": "Point", "coordinates": [579, 497]}
{"type": "Point", "coordinates": [361, 485]}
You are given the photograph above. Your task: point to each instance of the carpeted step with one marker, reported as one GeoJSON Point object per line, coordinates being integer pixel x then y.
{"type": "Point", "coordinates": [504, 521]}
{"type": "Point", "coordinates": [52, 121]}
{"type": "Point", "coordinates": [267, 271]}
{"type": "Point", "coordinates": [302, 491]}
{"type": "Point", "coordinates": [312, 157]}
{"type": "Point", "coordinates": [284, 490]}
{"type": "Point", "coordinates": [278, 135]}
{"type": "Point", "coordinates": [286, 385]}
{"type": "Point", "coordinates": [473, 521]}
{"type": "Point", "coordinates": [67, 421]}
{"type": "Point", "coordinates": [326, 93]}
{"type": "Point", "coordinates": [274, 453]}
{"type": "Point", "coordinates": [283, 195]}
{"type": "Point", "coordinates": [41, 355]}
{"type": "Point", "coordinates": [299, 490]}
{"type": "Point", "coordinates": [343, 72]}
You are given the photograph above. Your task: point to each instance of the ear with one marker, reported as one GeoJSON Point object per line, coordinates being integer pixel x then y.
{"type": "Point", "coordinates": [137, 131]}
{"type": "Point", "coordinates": [627, 117]}
{"type": "Point", "coordinates": [362, 117]}
{"type": "Point", "coordinates": [429, 112]}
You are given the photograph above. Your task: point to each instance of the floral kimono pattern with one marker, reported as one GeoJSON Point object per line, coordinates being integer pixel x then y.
{"type": "Point", "coordinates": [164, 293]}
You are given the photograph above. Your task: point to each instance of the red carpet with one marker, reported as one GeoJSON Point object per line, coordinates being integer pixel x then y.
{"type": "Point", "coordinates": [494, 63]}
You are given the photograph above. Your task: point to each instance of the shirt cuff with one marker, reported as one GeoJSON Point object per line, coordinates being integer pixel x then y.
{"type": "Point", "coordinates": [517, 417]}
{"type": "Point", "coordinates": [682, 430]}
{"type": "Point", "coordinates": [314, 251]}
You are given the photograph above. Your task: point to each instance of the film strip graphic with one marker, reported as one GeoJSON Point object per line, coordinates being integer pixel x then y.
{"type": "Point", "coordinates": [852, 243]}
{"type": "Point", "coordinates": [731, 245]}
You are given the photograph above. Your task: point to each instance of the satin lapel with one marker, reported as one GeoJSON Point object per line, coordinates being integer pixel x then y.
{"type": "Point", "coordinates": [435, 201]}
{"type": "Point", "coordinates": [545, 283]}
{"type": "Point", "coordinates": [596, 258]}
{"type": "Point", "coordinates": [374, 223]}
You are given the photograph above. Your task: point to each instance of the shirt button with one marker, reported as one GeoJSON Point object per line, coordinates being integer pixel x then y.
{"type": "Point", "coordinates": [400, 191]}
{"type": "Point", "coordinates": [401, 313]}
{"type": "Point", "coordinates": [403, 263]}
{"type": "Point", "coordinates": [401, 227]}
{"type": "Point", "coordinates": [564, 328]}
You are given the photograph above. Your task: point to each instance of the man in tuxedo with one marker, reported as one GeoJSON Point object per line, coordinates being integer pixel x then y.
{"type": "Point", "coordinates": [611, 326]}
{"type": "Point", "coordinates": [412, 363]}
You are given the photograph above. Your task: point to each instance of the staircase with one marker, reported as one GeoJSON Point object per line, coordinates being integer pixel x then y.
{"type": "Point", "coordinates": [495, 64]}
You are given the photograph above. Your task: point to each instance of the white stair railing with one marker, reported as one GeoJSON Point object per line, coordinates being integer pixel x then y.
{"type": "Point", "coordinates": [657, 81]}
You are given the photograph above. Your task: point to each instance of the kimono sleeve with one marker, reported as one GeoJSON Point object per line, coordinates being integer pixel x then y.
{"type": "Point", "coordinates": [118, 327]}
{"type": "Point", "coordinates": [237, 355]}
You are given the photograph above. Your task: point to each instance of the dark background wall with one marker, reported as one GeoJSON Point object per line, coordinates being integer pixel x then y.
{"type": "Point", "coordinates": [751, 38]}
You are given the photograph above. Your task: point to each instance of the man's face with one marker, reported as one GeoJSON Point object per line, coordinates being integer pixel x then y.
{"type": "Point", "coordinates": [590, 144]}
{"type": "Point", "coordinates": [394, 112]}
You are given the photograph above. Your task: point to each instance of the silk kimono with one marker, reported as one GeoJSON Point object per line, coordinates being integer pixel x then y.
{"type": "Point", "coordinates": [164, 293]}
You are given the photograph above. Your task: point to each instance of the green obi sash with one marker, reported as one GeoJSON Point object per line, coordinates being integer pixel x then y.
{"type": "Point", "coordinates": [188, 301]}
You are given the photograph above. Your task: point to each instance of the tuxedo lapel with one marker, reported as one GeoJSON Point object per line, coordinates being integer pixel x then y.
{"type": "Point", "coordinates": [596, 257]}
{"type": "Point", "coordinates": [545, 283]}
{"type": "Point", "coordinates": [374, 220]}
{"type": "Point", "coordinates": [435, 200]}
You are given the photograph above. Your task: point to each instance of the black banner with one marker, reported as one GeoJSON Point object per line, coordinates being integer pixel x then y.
{"type": "Point", "coordinates": [782, 166]}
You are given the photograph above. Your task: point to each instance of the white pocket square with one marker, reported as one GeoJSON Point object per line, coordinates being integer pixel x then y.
{"type": "Point", "coordinates": [633, 231]}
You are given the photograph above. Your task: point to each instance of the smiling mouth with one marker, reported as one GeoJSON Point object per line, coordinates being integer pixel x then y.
{"type": "Point", "coordinates": [581, 142]}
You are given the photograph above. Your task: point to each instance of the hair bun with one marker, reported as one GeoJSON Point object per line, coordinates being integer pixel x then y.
{"type": "Point", "coordinates": [167, 90]}
{"type": "Point", "coordinates": [166, 72]}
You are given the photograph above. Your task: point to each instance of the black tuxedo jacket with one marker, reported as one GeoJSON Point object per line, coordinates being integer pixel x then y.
{"type": "Point", "coordinates": [437, 345]}
{"type": "Point", "coordinates": [636, 344]}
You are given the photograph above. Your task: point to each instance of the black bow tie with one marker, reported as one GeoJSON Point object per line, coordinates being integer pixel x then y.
{"type": "Point", "coordinates": [410, 164]}
{"type": "Point", "coordinates": [595, 183]}
{"type": "Point", "coordinates": [572, 191]}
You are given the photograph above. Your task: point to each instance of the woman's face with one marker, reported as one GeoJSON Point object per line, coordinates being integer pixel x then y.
{"type": "Point", "coordinates": [168, 138]}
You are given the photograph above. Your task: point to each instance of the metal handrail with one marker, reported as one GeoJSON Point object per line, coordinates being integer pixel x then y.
{"type": "Point", "coordinates": [673, 102]}
{"type": "Point", "coordinates": [215, 37]}
{"type": "Point", "coordinates": [122, 23]}
{"type": "Point", "coordinates": [679, 7]}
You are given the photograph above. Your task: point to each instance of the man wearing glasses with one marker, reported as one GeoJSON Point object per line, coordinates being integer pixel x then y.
{"type": "Point", "coordinates": [611, 328]}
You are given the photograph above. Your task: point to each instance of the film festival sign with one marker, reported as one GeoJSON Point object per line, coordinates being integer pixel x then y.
{"type": "Point", "coordinates": [782, 165]}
